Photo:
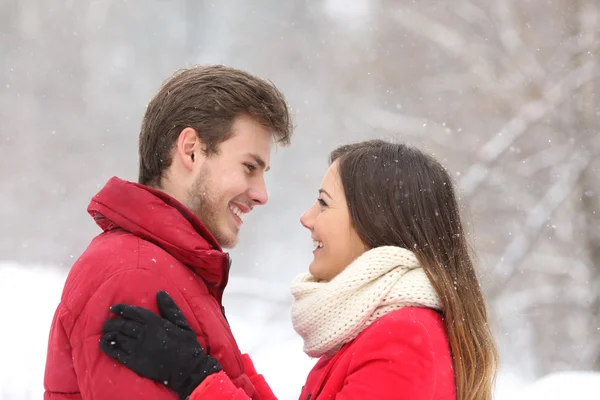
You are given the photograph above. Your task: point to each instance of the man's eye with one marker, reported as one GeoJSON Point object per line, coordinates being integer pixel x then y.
{"type": "Point", "coordinates": [322, 202]}
{"type": "Point", "coordinates": [250, 167]}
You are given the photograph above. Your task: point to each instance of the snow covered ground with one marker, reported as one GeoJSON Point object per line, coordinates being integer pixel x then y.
{"type": "Point", "coordinates": [29, 295]}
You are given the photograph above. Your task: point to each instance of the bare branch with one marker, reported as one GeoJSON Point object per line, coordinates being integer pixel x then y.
{"type": "Point", "coordinates": [399, 123]}
{"type": "Point", "coordinates": [566, 53]}
{"type": "Point", "coordinates": [447, 82]}
{"type": "Point", "coordinates": [546, 158]}
{"type": "Point", "coordinates": [454, 44]}
{"type": "Point", "coordinates": [511, 38]}
{"type": "Point", "coordinates": [539, 296]}
{"type": "Point", "coordinates": [557, 265]}
{"type": "Point", "coordinates": [522, 243]}
{"type": "Point", "coordinates": [529, 114]}
{"type": "Point", "coordinates": [471, 13]}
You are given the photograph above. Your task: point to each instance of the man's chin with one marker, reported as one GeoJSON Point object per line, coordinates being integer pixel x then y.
{"type": "Point", "coordinates": [228, 241]}
{"type": "Point", "coordinates": [229, 245]}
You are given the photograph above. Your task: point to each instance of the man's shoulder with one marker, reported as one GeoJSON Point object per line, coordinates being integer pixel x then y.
{"type": "Point", "coordinates": [118, 250]}
{"type": "Point", "coordinates": [114, 255]}
{"type": "Point", "coordinates": [107, 253]}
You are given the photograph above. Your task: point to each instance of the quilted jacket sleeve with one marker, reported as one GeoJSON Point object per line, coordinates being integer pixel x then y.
{"type": "Point", "coordinates": [220, 387]}
{"type": "Point", "coordinates": [100, 377]}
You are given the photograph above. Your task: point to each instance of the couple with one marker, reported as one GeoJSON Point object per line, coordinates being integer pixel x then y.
{"type": "Point", "coordinates": [390, 304]}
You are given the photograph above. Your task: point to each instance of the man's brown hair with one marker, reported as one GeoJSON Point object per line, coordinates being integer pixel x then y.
{"type": "Point", "coordinates": [207, 99]}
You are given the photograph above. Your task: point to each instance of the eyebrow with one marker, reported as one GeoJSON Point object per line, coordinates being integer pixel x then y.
{"type": "Point", "coordinates": [325, 191]}
{"type": "Point", "coordinates": [259, 161]}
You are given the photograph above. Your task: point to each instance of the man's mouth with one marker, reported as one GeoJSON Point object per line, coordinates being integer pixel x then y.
{"type": "Point", "coordinates": [235, 210]}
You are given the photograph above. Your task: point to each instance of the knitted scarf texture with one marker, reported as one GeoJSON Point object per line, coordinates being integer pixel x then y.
{"type": "Point", "coordinates": [329, 314]}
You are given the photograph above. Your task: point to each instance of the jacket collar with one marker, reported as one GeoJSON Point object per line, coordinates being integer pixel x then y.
{"type": "Point", "coordinates": [157, 217]}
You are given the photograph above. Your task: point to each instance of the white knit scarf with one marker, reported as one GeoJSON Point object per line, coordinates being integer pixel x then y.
{"type": "Point", "coordinates": [330, 314]}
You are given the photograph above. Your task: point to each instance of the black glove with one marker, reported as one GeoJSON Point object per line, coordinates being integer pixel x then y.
{"type": "Point", "coordinates": [163, 349]}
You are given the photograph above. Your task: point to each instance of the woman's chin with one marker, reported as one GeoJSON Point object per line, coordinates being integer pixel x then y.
{"type": "Point", "coordinates": [313, 268]}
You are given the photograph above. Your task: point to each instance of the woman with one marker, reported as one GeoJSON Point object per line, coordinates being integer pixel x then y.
{"type": "Point", "coordinates": [391, 304]}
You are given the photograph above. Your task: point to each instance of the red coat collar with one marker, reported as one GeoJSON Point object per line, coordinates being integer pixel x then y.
{"type": "Point", "coordinates": [158, 218]}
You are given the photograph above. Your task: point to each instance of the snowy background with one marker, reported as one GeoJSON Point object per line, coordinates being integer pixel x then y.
{"type": "Point", "coordinates": [282, 362]}
{"type": "Point", "coordinates": [503, 92]}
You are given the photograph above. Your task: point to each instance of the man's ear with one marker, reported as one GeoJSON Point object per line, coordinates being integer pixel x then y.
{"type": "Point", "coordinates": [189, 148]}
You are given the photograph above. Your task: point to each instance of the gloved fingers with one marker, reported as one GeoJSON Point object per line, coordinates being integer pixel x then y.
{"type": "Point", "coordinates": [111, 346]}
{"type": "Point", "coordinates": [119, 341]}
{"type": "Point", "coordinates": [126, 327]}
{"type": "Point", "coordinates": [170, 311]}
{"type": "Point", "coordinates": [134, 313]}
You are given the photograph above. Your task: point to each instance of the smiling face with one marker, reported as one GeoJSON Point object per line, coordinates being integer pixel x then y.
{"type": "Point", "coordinates": [336, 242]}
{"type": "Point", "coordinates": [229, 184]}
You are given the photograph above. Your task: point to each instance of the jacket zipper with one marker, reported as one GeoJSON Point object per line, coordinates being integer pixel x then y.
{"type": "Point", "coordinates": [220, 300]}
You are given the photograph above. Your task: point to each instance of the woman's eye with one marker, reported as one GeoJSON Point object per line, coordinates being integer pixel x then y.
{"type": "Point", "coordinates": [322, 202]}
{"type": "Point", "coordinates": [250, 167]}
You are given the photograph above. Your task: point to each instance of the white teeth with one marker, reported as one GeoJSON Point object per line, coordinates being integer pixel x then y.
{"type": "Point", "coordinates": [317, 244]}
{"type": "Point", "coordinates": [237, 212]}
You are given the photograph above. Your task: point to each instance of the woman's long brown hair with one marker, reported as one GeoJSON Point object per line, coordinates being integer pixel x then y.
{"type": "Point", "coordinates": [399, 196]}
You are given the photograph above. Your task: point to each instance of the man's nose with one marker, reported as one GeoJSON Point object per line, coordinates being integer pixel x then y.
{"type": "Point", "coordinates": [258, 194]}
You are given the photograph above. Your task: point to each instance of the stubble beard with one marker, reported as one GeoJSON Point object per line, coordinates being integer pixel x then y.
{"type": "Point", "coordinates": [206, 205]}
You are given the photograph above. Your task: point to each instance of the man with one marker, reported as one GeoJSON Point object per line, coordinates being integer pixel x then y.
{"type": "Point", "coordinates": [204, 147]}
